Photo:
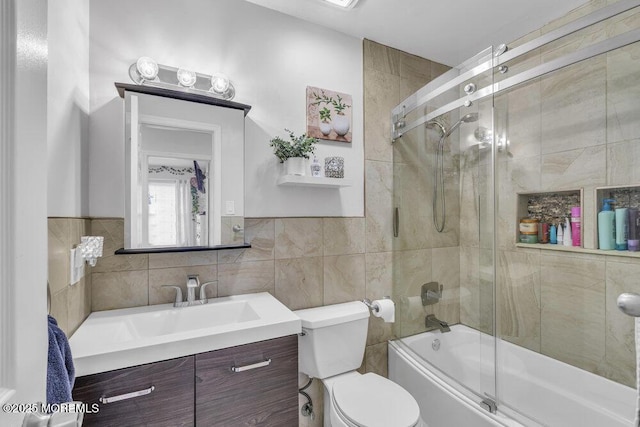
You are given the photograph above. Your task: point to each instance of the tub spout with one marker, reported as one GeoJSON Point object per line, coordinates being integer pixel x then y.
{"type": "Point", "coordinates": [432, 322]}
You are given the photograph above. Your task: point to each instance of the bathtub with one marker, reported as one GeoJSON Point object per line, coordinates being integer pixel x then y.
{"type": "Point", "coordinates": [552, 393]}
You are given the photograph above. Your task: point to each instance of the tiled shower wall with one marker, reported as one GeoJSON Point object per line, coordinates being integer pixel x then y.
{"type": "Point", "coordinates": [576, 128]}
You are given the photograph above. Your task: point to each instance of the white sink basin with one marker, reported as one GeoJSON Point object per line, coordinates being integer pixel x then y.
{"type": "Point", "coordinates": [117, 339]}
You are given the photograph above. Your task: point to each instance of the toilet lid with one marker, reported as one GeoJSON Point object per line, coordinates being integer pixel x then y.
{"type": "Point", "coordinates": [373, 401]}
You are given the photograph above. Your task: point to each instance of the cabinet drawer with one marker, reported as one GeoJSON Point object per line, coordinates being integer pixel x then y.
{"type": "Point", "coordinates": [169, 404]}
{"type": "Point", "coordinates": [262, 395]}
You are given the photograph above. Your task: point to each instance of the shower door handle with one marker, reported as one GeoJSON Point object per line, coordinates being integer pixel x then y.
{"type": "Point", "coordinates": [629, 304]}
{"type": "Point", "coordinates": [396, 222]}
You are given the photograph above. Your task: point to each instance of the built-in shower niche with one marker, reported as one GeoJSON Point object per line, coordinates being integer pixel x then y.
{"type": "Point", "coordinates": [553, 208]}
{"type": "Point", "coordinates": [627, 196]}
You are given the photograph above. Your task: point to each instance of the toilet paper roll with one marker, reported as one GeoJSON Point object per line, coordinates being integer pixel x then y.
{"type": "Point", "coordinates": [384, 308]}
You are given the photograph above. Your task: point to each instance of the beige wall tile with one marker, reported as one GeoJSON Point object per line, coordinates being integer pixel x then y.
{"type": "Point", "coordinates": [574, 169]}
{"type": "Point", "coordinates": [246, 277]}
{"type": "Point", "coordinates": [381, 95]}
{"type": "Point", "coordinates": [343, 236]}
{"type": "Point", "coordinates": [437, 69]}
{"type": "Point", "coordinates": [411, 269]}
{"type": "Point", "coordinates": [119, 289]}
{"type": "Point", "coordinates": [260, 232]}
{"type": "Point", "coordinates": [518, 292]}
{"type": "Point", "coordinates": [573, 108]}
{"type": "Point", "coordinates": [182, 259]}
{"type": "Point", "coordinates": [60, 310]}
{"type": "Point", "coordinates": [623, 93]}
{"type": "Point", "coordinates": [573, 311]}
{"type": "Point", "coordinates": [379, 206]}
{"type": "Point", "coordinates": [344, 278]}
{"type": "Point", "coordinates": [178, 276]}
{"type": "Point", "coordinates": [59, 244]}
{"type": "Point", "coordinates": [375, 359]}
{"type": "Point", "coordinates": [620, 360]}
{"type": "Point", "coordinates": [113, 232]}
{"type": "Point", "coordinates": [298, 237]}
{"type": "Point", "coordinates": [76, 303]}
{"type": "Point", "coordinates": [524, 128]}
{"type": "Point", "coordinates": [299, 282]}
{"type": "Point", "coordinates": [623, 162]}
{"type": "Point", "coordinates": [378, 284]}
{"type": "Point", "coordinates": [446, 271]}
{"type": "Point", "coordinates": [381, 58]}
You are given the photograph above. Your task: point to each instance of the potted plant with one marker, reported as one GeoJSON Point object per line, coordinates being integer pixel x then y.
{"type": "Point", "coordinates": [325, 121]}
{"type": "Point", "coordinates": [340, 122]}
{"type": "Point", "coordinates": [293, 153]}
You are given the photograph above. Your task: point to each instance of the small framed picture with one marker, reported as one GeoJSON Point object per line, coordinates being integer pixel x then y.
{"type": "Point", "coordinates": [329, 114]}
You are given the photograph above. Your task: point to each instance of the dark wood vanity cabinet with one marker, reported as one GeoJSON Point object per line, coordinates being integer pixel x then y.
{"type": "Point", "coordinates": [169, 404]}
{"type": "Point", "coordinates": [249, 385]}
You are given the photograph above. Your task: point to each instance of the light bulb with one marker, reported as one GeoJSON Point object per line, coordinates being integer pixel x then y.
{"type": "Point", "coordinates": [219, 83]}
{"type": "Point", "coordinates": [147, 67]}
{"type": "Point", "coordinates": [186, 78]}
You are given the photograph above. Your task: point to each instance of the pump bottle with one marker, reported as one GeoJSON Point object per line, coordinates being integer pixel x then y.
{"type": "Point", "coordinates": [606, 226]}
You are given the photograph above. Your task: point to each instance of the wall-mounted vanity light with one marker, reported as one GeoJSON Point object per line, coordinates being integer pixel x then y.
{"type": "Point", "coordinates": [146, 71]}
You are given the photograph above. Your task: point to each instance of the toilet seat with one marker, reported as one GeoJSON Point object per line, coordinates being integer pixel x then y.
{"type": "Point", "coordinates": [370, 400]}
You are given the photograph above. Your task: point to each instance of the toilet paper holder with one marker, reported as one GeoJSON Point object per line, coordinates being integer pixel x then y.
{"type": "Point", "coordinates": [369, 304]}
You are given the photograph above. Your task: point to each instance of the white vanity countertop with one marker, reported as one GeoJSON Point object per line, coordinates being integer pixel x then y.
{"type": "Point", "coordinates": [117, 339]}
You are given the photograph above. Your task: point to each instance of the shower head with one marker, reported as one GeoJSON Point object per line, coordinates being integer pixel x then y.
{"type": "Point", "coordinates": [467, 118]}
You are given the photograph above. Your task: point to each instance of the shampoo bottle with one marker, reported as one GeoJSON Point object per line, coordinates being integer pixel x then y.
{"type": "Point", "coordinates": [553, 238]}
{"type": "Point", "coordinates": [576, 226]}
{"type": "Point", "coordinates": [566, 237]}
{"type": "Point", "coordinates": [606, 228]}
{"type": "Point", "coordinates": [560, 235]}
{"type": "Point", "coordinates": [622, 229]}
{"type": "Point", "coordinates": [633, 243]}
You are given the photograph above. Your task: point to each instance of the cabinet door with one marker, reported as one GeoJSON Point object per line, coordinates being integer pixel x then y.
{"type": "Point", "coordinates": [260, 396]}
{"type": "Point", "coordinates": [169, 404]}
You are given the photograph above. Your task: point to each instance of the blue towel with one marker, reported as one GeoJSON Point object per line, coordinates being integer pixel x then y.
{"type": "Point", "coordinates": [60, 370]}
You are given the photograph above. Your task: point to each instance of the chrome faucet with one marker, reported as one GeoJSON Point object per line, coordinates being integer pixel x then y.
{"type": "Point", "coordinates": [432, 322]}
{"type": "Point", "coordinates": [192, 284]}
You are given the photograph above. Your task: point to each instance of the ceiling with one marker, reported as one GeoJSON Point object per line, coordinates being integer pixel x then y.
{"type": "Point", "coordinates": [446, 31]}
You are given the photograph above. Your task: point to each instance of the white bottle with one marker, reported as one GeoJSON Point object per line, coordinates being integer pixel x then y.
{"type": "Point", "coordinates": [316, 168]}
{"type": "Point", "coordinates": [560, 234]}
{"type": "Point", "coordinates": [566, 238]}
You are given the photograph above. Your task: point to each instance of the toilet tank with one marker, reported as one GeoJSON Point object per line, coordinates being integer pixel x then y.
{"type": "Point", "coordinates": [334, 339]}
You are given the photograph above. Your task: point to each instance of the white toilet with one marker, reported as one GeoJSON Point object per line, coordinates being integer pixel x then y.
{"type": "Point", "coordinates": [331, 349]}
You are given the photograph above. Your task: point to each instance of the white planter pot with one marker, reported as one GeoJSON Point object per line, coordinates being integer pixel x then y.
{"type": "Point", "coordinates": [325, 128]}
{"type": "Point", "coordinates": [341, 124]}
{"type": "Point", "coordinates": [296, 166]}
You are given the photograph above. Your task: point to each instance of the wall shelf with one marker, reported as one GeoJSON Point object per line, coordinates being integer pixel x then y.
{"type": "Point", "coordinates": [309, 181]}
{"type": "Point", "coordinates": [560, 248]}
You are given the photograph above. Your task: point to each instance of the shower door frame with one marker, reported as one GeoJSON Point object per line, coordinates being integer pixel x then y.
{"type": "Point", "coordinates": [453, 79]}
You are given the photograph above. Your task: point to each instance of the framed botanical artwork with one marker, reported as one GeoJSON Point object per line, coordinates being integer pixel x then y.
{"type": "Point", "coordinates": [328, 114]}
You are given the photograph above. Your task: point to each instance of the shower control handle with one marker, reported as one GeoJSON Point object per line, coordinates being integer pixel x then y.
{"type": "Point", "coordinates": [629, 304]}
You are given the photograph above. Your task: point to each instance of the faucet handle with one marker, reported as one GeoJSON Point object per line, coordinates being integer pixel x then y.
{"type": "Point", "coordinates": [178, 293]}
{"type": "Point", "coordinates": [203, 293]}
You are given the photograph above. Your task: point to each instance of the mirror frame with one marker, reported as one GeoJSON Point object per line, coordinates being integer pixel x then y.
{"type": "Point", "coordinates": [183, 95]}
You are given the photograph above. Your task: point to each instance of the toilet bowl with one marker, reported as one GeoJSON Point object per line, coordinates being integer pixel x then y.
{"type": "Point", "coordinates": [331, 348]}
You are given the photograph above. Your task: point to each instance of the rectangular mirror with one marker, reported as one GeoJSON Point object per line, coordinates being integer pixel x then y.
{"type": "Point", "coordinates": [184, 174]}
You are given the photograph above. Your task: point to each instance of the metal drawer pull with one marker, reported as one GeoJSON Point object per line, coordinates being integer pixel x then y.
{"type": "Point", "coordinates": [105, 400]}
{"type": "Point", "coordinates": [249, 367]}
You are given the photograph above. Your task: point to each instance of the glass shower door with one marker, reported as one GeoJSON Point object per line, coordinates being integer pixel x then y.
{"type": "Point", "coordinates": [444, 219]}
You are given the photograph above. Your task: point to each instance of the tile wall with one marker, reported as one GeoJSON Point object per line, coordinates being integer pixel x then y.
{"type": "Point", "coordinates": [70, 305]}
{"type": "Point", "coordinates": [577, 127]}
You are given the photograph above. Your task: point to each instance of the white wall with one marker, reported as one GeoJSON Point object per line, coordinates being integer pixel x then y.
{"type": "Point", "coordinates": [270, 57]}
{"type": "Point", "coordinates": [68, 108]}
